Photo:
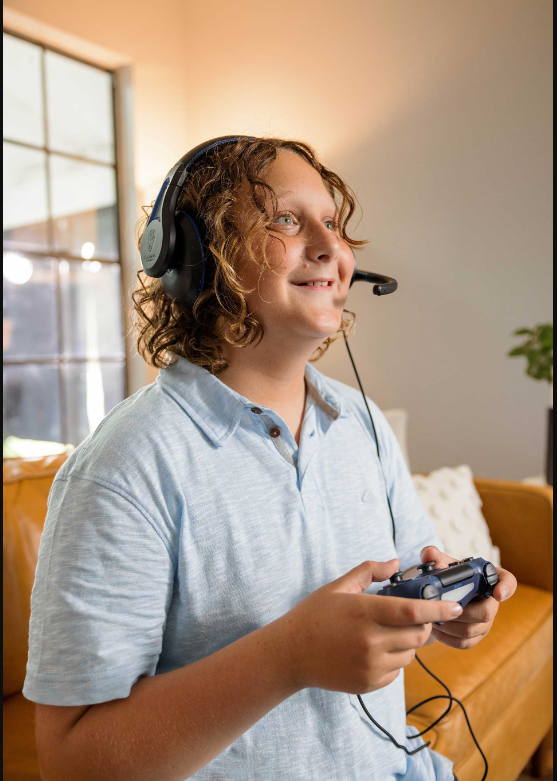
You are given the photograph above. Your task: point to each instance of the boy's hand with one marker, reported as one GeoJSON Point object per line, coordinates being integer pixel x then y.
{"type": "Point", "coordinates": [476, 621]}
{"type": "Point", "coordinates": [340, 639]}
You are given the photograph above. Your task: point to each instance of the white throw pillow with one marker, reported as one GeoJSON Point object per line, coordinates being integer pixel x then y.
{"type": "Point", "coordinates": [451, 500]}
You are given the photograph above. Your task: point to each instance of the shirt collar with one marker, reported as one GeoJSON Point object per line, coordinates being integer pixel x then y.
{"type": "Point", "coordinates": [217, 409]}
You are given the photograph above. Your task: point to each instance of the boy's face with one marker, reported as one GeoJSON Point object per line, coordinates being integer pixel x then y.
{"type": "Point", "coordinates": [302, 245]}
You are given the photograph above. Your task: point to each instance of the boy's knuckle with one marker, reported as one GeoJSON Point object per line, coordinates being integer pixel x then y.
{"type": "Point", "coordinates": [423, 635]}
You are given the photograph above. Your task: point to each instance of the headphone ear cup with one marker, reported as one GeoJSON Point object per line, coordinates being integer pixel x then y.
{"type": "Point", "coordinates": [192, 269]}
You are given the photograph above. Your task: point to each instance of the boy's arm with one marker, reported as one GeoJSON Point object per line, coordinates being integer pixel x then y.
{"type": "Point", "coordinates": [171, 725]}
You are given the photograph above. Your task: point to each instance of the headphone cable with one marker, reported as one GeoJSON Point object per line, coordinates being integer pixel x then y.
{"type": "Point", "coordinates": [447, 696]}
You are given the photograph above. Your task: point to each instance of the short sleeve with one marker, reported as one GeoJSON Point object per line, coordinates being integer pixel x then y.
{"type": "Point", "coordinates": [414, 528]}
{"type": "Point", "coordinates": [100, 598]}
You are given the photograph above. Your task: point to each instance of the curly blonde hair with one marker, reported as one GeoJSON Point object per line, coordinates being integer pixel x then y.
{"type": "Point", "coordinates": [165, 327]}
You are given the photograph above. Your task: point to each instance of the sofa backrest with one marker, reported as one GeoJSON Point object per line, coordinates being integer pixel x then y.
{"type": "Point", "coordinates": [27, 483]}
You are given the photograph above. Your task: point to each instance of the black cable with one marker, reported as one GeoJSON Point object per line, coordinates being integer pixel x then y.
{"type": "Point", "coordinates": [455, 699]}
{"type": "Point", "coordinates": [447, 696]}
{"type": "Point", "coordinates": [435, 723]}
{"type": "Point", "coordinates": [388, 734]}
{"type": "Point", "coordinates": [452, 699]}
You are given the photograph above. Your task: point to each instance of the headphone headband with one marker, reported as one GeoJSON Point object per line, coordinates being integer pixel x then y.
{"type": "Point", "coordinates": [159, 237]}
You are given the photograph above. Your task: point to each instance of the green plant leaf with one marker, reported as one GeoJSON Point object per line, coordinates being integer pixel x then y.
{"type": "Point", "coordinates": [523, 332]}
{"type": "Point", "coordinates": [546, 337]}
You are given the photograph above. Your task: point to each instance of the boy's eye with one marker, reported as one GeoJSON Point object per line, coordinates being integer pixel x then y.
{"type": "Point", "coordinates": [290, 221]}
{"type": "Point", "coordinates": [285, 217]}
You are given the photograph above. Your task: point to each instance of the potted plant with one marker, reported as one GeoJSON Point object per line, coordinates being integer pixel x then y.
{"type": "Point", "coordinates": [538, 350]}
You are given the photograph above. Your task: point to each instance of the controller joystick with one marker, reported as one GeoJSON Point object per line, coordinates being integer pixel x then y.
{"type": "Point", "coordinates": [492, 578]}
{"type": "Point", "coordinates": [462, 581]}
{"type": "Point", "coordinates": [429, 566]}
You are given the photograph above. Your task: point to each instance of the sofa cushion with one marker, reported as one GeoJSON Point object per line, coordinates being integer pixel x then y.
{"type": "Point", "coordinates": [27, 484]}
{"type": "Point", "coordinates": [488, 678]}
{"type": "Point", "coordinates": [19, 747]}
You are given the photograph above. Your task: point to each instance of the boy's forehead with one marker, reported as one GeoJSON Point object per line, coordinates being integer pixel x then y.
{"type": "Point", "coordinates": [292, 177]}
{"type": "Point", "coordinates": [290, 169]}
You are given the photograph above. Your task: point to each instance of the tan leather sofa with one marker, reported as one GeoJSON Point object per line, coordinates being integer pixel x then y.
{"type": "Point", "coordinates": [505, 682]}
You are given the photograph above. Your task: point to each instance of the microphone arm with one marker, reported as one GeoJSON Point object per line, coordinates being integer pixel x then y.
{"type": "Point", "coordinates": [382, 285]}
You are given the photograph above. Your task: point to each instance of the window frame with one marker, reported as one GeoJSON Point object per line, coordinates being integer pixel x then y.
{"type": "Point", "coordinates": [120, 76]}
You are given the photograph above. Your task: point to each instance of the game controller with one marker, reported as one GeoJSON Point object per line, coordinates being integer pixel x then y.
{"type": "Point", "coordinates": [461, 582]}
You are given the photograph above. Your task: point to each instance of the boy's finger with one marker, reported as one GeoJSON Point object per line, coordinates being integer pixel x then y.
{"type": "Point", "coordinates": [479, 612]}
{"type": "Point", "coordinates": [398, 611]}
{"type": "Point", "coordinates": [506, 586]}
{"type": "Point", "coordinates": [432, 553]}
{"type": "Point", "coordinates": [464, 631]}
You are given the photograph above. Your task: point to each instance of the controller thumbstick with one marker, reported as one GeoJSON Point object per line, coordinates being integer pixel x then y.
{"type": "Point", "coordinates": [492, 579]}
{"type": "Point", "coordinates": [427, 567]}
{"type": "Point", "coordinates": [397, 577]}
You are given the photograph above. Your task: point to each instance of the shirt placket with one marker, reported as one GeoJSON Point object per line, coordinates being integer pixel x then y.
{"type": "Point", "coordinates": [277, 436]}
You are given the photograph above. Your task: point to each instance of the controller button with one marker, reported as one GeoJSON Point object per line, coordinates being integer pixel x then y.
{"type": "Point", "coordinates": [427, 567]}
{"type": "Point", "coordinates": [397, 577]}
{"type": "Point", "coordinates": [465, 561]}
{"type": "Point", "coordinates": [455, 563]}
{"type": "Point", "coordinates": [491, 575]}
{"type": "Point", "coordinates": [430, 592]}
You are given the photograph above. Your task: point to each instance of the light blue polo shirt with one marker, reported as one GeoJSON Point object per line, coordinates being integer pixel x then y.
{"type": "Point", "coordinates": [190, 518]}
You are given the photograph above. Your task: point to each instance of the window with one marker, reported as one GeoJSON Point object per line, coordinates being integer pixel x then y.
{"type": "Point", "coordinates": [64, 353]}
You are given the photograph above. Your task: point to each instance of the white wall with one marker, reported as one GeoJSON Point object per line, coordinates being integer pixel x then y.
{"type": "Point", "coordinates": [439, 115]}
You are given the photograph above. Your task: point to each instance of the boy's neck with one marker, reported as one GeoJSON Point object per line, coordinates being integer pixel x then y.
{"type": "Point", "coordinates": [269, 378]}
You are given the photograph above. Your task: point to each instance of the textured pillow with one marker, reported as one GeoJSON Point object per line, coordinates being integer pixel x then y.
{"type": "Point", "coordinates": [451, 500]}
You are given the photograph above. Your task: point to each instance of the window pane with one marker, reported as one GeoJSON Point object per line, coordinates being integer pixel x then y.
{"type": "Point", "coordinates": [29, 310]}
{"type": "Point", "coordinates": [32, 403]}
{"type": "Point", "coordinates": [79, 103]}
{"type": "Point", "coordinates": [84, 208]}
{"type": "Point", "coordinates": [92, 309]}
{"type": "Point", "coordinates": [92, 390]}
{"type": "Point", "coordinates": [25, 199]}
{"type": "Point", "coordinates": [23, 97]}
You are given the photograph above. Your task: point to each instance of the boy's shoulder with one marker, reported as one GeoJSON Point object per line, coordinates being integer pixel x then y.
{"type": "Point", "coordinates": [353, 399]}
{"type": "Point", "coordinates": [130, 438]}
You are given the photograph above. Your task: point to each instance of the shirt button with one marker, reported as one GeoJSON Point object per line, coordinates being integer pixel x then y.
{"type": "Point", "coordinates": [274, 432]}
{"type": "Point", "coordinates": [256, 410]}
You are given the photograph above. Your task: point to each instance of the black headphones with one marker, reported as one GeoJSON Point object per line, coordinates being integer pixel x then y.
{"type": "Point", "coordinates": [174, 245]}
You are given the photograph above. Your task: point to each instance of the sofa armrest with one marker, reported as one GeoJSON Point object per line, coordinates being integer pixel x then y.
{"type": "Point", "coordinates": [520, 520]}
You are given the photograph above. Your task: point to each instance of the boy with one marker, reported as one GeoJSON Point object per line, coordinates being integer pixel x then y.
{"type": "Point", "coordinates": [199, 607]}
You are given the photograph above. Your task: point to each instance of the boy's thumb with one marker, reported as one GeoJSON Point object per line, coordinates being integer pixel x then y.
{"type": "Point", "coordinates": [366, 573]}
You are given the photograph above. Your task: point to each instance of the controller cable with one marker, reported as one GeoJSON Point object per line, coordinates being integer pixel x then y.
{"type": "Point", "coordinates": [447, 696]}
